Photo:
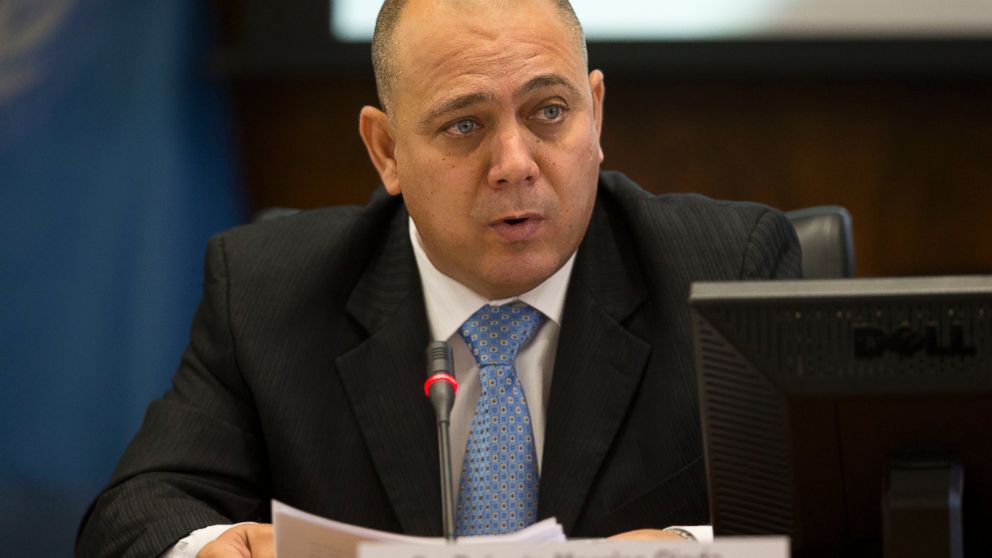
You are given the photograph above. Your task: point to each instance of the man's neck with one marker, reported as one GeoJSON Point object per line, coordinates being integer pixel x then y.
{"type": "Point", "coordinates": [449, 302]}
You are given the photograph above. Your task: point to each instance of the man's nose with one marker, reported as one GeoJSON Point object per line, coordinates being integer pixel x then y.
{"type": "Point", "coordinates": [512, 160]}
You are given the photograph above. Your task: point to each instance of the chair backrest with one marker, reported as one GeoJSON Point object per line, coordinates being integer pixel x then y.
{"type": "Point", "coordinates": [827, 240]}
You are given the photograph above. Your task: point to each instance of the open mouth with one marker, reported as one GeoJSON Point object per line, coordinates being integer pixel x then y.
{"type": "Point", "coordinates": [518, 228]}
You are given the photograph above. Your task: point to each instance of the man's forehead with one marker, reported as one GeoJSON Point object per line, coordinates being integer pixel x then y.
{"type": "Point", "coordinates": [433, 7]}
{"type": "Point", "coordinates": [432, 23]}
{"type": "Point", "coordinates": [446, 51]}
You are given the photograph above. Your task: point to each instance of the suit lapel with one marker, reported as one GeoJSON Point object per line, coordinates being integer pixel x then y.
{"type": "Point", "coordinates": [598, 367]}
{"type": "Point", "coordinates": [384, 376]}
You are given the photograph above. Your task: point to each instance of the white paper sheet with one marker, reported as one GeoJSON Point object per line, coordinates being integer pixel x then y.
{"type": "Point", "coordinates": [299, 534]}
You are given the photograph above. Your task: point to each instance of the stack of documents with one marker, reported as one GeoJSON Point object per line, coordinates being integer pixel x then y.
{"type": "Point", "coordinates": [300, 534]}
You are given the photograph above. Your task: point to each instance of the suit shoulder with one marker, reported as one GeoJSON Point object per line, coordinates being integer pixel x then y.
{"type": "Point", "coordinates": [729, 236]}
{"type": "Point", "coordinates": [645, 206]}
{"type": "Point", "coordinates": [327, 241]}
{"type": "Point", "coordinates": [720, 213]}
{"type": "Point", "coordinates": [288, 231]}
{"type": "Point", "coordinates": [322, 229]}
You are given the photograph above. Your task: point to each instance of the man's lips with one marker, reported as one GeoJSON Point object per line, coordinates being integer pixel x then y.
{"type": "Point", "coordinates": [518, 228]}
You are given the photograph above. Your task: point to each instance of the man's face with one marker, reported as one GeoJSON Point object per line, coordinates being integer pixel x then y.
{"type": "Point", "coordinates": [493, 139]}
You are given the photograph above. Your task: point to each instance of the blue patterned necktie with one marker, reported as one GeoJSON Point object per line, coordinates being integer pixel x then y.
{"type": "Point", "coordinates": [499, 483]}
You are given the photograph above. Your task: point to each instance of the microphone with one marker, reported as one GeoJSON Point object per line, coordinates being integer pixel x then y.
{"type": "Point", "coordinates": [440, 387]}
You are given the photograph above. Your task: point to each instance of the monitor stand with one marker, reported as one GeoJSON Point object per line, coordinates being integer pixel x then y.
{"type": "Point", "coordinates": [921, 507]}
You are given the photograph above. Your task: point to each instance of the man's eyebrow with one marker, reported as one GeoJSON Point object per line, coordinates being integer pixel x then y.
{"type": "Point", "coordinates": [457, 103]}
{"type": "Point", "coordinates": [545, 80]}
{"type": "Point", "coordinates": [464, 101]}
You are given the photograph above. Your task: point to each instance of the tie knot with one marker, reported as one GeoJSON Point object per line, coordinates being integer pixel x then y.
{"type": "Point", "coordinates": [496, 333]}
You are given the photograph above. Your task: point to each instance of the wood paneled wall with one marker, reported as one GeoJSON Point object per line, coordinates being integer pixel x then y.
{"type": "Point", "coordinates": [911, 160]}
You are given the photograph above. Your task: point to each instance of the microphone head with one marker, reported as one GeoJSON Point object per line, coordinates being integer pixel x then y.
{"type": "Point", "coordinates": [441, 384]}
{"type": "Point", "coordinates": [439, 359]}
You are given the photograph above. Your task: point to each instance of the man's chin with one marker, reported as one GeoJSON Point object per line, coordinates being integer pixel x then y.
{"type": "Point", "coordinates": [518, 276]}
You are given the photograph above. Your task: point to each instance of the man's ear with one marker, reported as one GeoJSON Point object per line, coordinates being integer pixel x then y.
{"type": "Point", "coordinates": [598, 87]}
{"type": "Point", "coordinates": [377, 133]}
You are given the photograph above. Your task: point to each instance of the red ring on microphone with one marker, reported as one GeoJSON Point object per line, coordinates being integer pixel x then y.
{"type": "Point", "coordinates": [441, 377]}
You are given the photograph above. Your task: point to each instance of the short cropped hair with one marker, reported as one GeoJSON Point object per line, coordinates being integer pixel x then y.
{"type": "Point", "coordinates": [384, 48]}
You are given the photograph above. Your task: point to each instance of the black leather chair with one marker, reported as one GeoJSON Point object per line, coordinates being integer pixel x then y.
{"type": "Point", "coordinates": [827, 241]}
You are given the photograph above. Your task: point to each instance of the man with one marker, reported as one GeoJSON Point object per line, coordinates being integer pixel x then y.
{"type": "Point", "coordinates": [303, 377]}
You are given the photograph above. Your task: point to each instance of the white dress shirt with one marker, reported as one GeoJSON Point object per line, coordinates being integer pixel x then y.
{"type": "Point", "coordinates": [449, 304]}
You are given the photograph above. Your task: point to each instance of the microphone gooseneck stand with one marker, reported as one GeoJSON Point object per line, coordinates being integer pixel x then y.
{"type": "Point", "coordinates": [441, 387]}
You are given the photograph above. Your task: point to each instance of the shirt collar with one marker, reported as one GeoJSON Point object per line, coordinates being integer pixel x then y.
{"type": "Point", "coordinates": [449, 303]}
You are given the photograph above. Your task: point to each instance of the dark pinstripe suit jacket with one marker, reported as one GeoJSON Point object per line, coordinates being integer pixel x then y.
{"type": "Point", "coordinates": [302, 380]}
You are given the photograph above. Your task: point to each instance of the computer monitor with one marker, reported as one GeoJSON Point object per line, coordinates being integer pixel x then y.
{"type": "Point", "coordinates": [853, 415]}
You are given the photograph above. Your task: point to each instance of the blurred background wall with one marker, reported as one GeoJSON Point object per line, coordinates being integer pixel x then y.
{"type": "Point", "coordinates": [115, 167]}
{"type": "Point", "coordinates": [131, 130]}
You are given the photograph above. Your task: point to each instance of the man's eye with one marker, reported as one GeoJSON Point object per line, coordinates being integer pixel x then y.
{"type": "Point", "coordinates": [462, 127]}
{"type": "Point", "coordinates": [552, 113]}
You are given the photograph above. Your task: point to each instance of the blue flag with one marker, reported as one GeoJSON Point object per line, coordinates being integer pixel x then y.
{"type": "Point", "coordinates": [115, 168]}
